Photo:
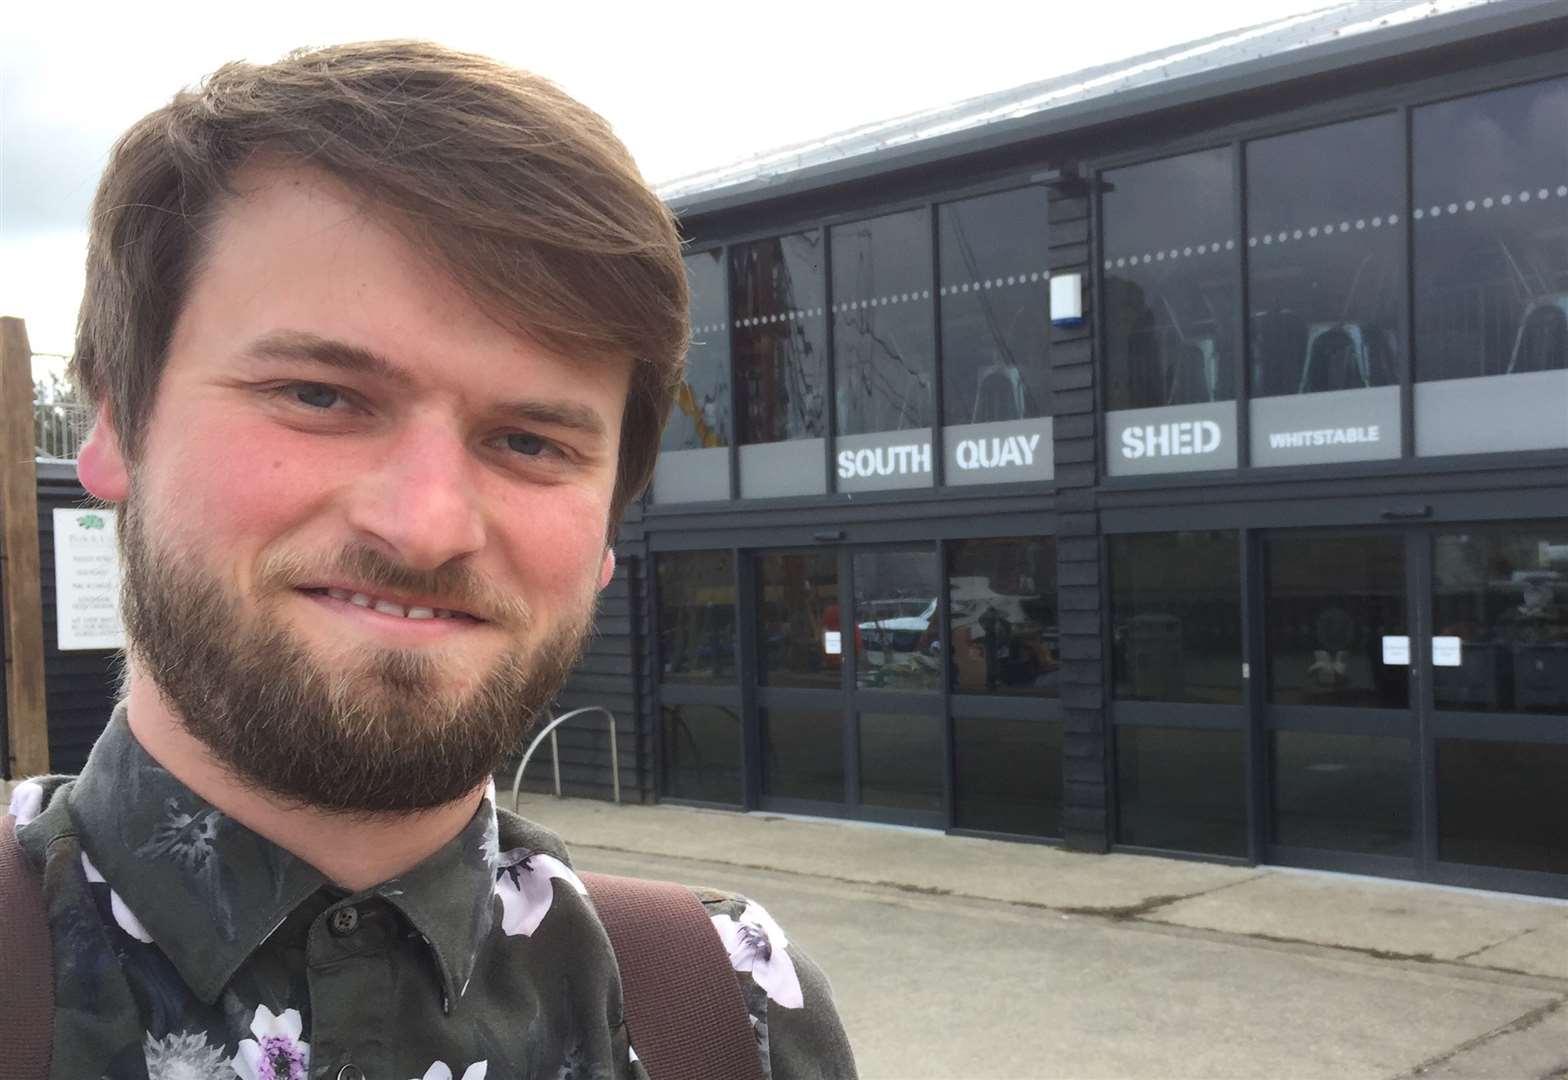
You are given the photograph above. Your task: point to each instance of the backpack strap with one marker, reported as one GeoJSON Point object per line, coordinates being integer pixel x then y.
{"type": "Point", "coordinates": [26, 965]}
{"type": "Point", "coordinates": [684, 1010]}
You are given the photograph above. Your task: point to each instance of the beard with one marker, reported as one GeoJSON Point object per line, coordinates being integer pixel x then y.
{"type": "Point", "coordinates": [374, 734]}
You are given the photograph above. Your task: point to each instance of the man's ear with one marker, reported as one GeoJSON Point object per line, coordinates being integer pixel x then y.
{"type": "Point", "coordinates": [100, 463]}
{"type": "Point", "coordinates": [607, 568]}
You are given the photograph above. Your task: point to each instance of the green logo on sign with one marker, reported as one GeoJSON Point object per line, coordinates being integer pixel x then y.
{"type": "Point", "coordinates": [90, 521]}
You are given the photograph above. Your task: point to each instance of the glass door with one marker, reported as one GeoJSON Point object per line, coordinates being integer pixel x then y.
{"type": "Point", "coordinates": [1340, 737]}
{"type": "Point", "coordinates": [850, 709]}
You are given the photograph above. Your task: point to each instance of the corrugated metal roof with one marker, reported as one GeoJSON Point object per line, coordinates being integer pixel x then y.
{"type": "Point", "coordinates": [1337, 22]}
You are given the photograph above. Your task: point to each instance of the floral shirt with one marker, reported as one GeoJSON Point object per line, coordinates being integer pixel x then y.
{"type": "Point", "coordinates": [186, 947]}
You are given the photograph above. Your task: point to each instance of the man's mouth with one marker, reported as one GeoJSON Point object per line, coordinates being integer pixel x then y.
{"type": "Point", "coordinates": [391, 607]}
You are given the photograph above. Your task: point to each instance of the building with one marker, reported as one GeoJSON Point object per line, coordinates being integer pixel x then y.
{"type": "Point", "coordinates": [1171, 457]}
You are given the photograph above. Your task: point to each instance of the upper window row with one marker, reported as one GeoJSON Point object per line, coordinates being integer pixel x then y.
{"type": "Point", "coordinates": [1352, 285]}
{"type": "Point", "coordinates": [836, 340]}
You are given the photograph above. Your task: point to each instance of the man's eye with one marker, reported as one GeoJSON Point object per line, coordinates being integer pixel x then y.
{"type": "Point", "coordinates": [529, 445]}
{"type": "Point", "coordinates": [315, 395]}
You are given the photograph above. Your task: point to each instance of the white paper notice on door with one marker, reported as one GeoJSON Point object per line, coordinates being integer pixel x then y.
{"type": "Point", "coordinates": [832, 642]}
{"type": "Point", "coordinates": [1447, 651]}
{"type": "Point", "coordinates": [1396, 649]}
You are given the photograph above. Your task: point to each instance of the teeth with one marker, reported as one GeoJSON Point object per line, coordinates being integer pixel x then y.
{"type": "Point", "coordinates": [443, 613]}
{"type": "Point", "coordinates": [387, 607]}
{"type": "Point", "coordinates": [338, 594]}
{"type": "Point", "coordinates": [359, 599]}
{"type": "Point", "coordinates": [421, 613]}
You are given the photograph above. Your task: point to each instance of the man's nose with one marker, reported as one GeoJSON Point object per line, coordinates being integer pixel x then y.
{"type": "Point", "coordinates": [419, 503]}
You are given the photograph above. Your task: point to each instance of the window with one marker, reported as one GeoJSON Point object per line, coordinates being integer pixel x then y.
{"type": "Point", "coordinates": [884, 355]}
{"type": "Point", "coordinates": [1176, 617]}
{"type": "Point", "coordinates": [1171, 296]}
{"type": "Point", "coordinates": [1325, 280]}
{"type": "Point", "coordinates": [798, 612]}
{"type": "Point", "coordinates": [701, 417]}
{"type": "Point", "coordinates": [694, 460]}
{"type": "Point", "coordinates": [1490, 179]}
{"type": "Point", "coordinates": [994, 295]}
{"type": "Point", "coordinates": [776, 304]}
{"type": "Point", "coordinates": [1171, 299]}
{"type": "Point", "coordinates": [697, 617]}
{"type": "Point", "coordinates": [1002, 614]}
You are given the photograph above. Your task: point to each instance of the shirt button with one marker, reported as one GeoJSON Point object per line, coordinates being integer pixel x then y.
{"type": "Point", "coordinates": [351, 1072]}
{"type": "Point", "coordinates": [345, 920]}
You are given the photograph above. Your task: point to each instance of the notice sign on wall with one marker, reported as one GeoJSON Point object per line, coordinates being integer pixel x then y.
{"type": "Point", "coordinates": [87, 581]}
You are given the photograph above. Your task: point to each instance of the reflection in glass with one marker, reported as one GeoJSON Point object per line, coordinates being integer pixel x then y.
{"type": "Point", "coordinates": [702, 753]}
{"type": "Point", "coordinates": [1343, 792]}
{"type": "Point", "coordinates": [1002, 611]}
{"type": "Point", "coordinates": [1171, 291]}
{"type": "Point", "coordinates": [883, 352]}
{"type": "Point", "coordinates": [1501, 804]}
{"type": "Point", "coordinates": [1490, 176]}
{"type": "Point", "coordinates": [701, 417]}
{"type": "Point", "coordinates": [798, 619]}
{"type": "Point", "coordinates": [803, 754]}
{"type": "Point", "coordinates": [1176, 617]}
{"type": "Point", "coordinates": [897, 638]}
{"type": "Point", "coordinates": [1504, 594]}
{"type": "Point", "coordinates": [697, 617]}
{"type": "Point", "coordinates": [1325, 246]}
{"type": "Point", "coordinates": [1181, 790]}
{"type": "Point", "coordinates": [1332, 600]}
{"type": "Point", "coordinates": [776, 305]}
{"type": "Point", "coordinates": [901, 760]}
{"type": "Point", "coordinates": [995, 300]}
{"type": "Point", "coordinates": [1008, 775]}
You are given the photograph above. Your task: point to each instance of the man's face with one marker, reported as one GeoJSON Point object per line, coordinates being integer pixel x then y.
{"type": "Point", "coordinates": [366, 523]}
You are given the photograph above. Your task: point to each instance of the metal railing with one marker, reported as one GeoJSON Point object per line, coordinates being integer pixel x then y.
{"type": "Point", "coordinates": [58, 429]}
{"type": "Point", "coordinates": [548, 731]}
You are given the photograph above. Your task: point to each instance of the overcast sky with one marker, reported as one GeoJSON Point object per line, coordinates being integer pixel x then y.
{"type": "Point", "coordinates": [687, 85]}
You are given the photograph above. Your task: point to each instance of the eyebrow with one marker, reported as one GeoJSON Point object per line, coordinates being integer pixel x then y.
{"type": "Point", "coordinates": [344, 356]}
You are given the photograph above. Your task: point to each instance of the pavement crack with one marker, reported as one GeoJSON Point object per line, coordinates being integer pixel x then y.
{"type": "Point", "coordinates": [1496, 944]}
{"type": "Point", "coordinates": [1513, 1027]}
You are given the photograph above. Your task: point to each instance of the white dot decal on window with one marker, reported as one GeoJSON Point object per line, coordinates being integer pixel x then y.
{"type": "Point", "coordinates": [1506, 200]}
{"type": "Point", "coordinates": [942, 291]}
{"type": "Point", "coordinates": [926, 295]}
{"type": "Point", "coordinates": [1361, 223]}
{"type": "Point", "coordinates": [1173, 253]}
{"type": "Point", "coordinates": [1036, 275]}
{"type": "Point", "coordinates": [1393, 219]}
{"type": "Point", "coordinates": [1297, 234]}
{"type": "Point", "coordinates": [1420, 214]}
{"type": "Point", "coordinates": [1524, 196]}
{"type": "Point", "coordinates": [1453, 208]}
{"type": "Point", "coordinates": [1543, 193]}
{"type": "Point", "coordinates": [1252, 241]}
{"type": "Point", "coordinates": [1268, 238]}
{"type": "Point", "coordinates": [1188, 250]}
{"type": "Point", "coordinates": [1283, 236]}
{"type": "Point", "coordinates": [1377, 222]}
{"type": "Point", "coordinates": [1160, 255]}
{"type": "Point", "coordinates": [1119, 262]}
{"type": "Point", "coordinates": [1486, 203]}
{"type": "Point", "coordinates": [1312, 231]}
{"type": "Point", "coordinates": [1562, 190]}
{"type": "Point", "coordinates": [1469, 205]}
{"type": "Point", "coordinates": [1344, 226]}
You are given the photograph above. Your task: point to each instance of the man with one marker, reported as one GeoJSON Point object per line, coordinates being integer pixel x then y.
{"type": "Point", "coordinates": [380, 338]}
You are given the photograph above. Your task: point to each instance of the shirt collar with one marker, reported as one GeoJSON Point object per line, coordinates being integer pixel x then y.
{"type": "Point", "coordinates": [209, 891]}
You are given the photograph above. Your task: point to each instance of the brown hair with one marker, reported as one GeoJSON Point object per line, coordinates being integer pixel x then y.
{"type": "Point", "coordinates": [521, 192]}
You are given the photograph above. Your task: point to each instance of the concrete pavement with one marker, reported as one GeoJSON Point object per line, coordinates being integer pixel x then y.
{"type": "Point", "coordinates": [961, 958]}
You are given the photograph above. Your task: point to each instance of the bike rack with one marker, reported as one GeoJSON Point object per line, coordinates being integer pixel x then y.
{"type": "Point", "coordinates": [555, 753]}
